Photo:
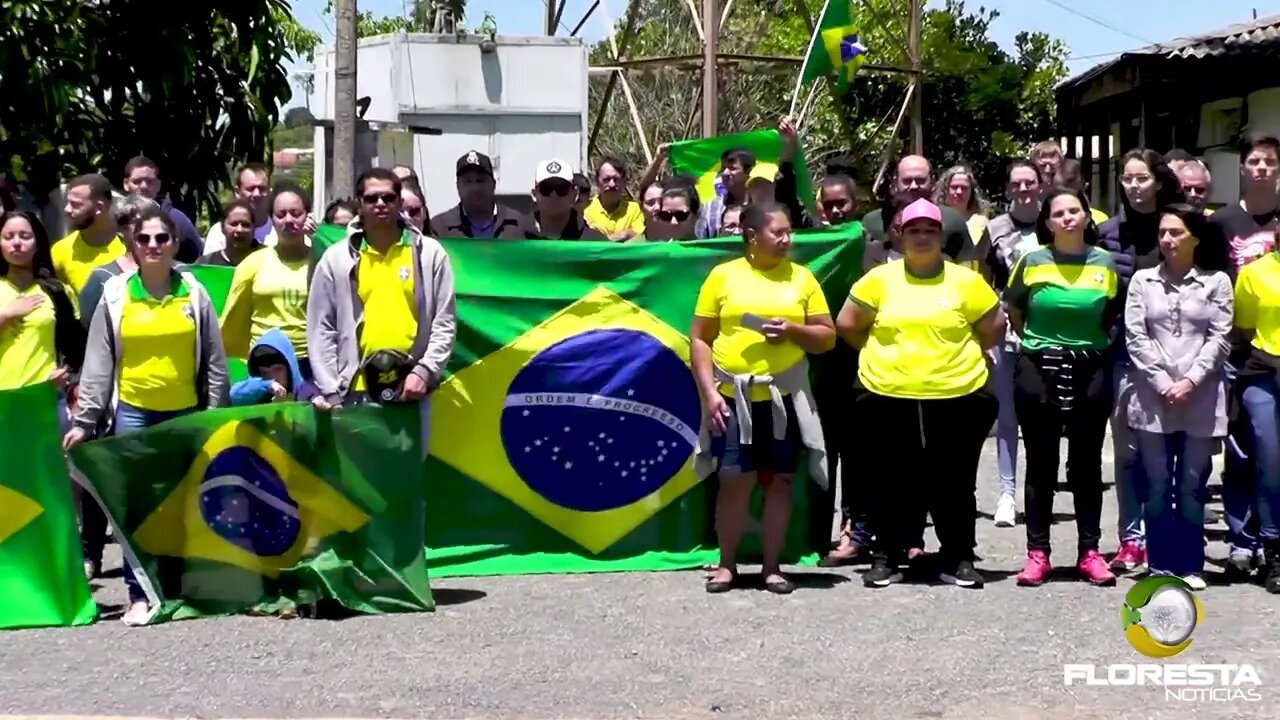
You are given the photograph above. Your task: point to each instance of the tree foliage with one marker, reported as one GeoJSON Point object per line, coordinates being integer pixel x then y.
{"type": "Point", "coordinates": [982, 105]}
{"type": "Point", "coordinates": [86, 85]}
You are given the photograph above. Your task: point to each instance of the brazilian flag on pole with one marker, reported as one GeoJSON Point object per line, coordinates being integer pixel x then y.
{"type": "Point", "coordinates": [269, 506]}
{"type": "Point", "coordinates": [835, 48]}
{"type": "Point", "coordinates": [41, 569]}
{"type": "Point", "coordinates": [563, 437]}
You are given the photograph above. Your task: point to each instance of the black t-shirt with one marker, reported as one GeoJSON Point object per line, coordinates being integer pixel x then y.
{"type": "Point", "coordinates": [1240, 239]}
{"type": "Point", "coordinates": [955, 233]}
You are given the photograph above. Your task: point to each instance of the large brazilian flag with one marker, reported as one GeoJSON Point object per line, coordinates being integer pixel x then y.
{"type": "Point", "coordinates": [269, 506]}
{"type": "Point", "coordinates": [563, 436]}
{"type": "Point", "coordinates": [41, 569]}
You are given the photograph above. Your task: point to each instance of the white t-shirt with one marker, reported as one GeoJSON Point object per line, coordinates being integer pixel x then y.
{"type": "Point", "coordinates": [215, 241]}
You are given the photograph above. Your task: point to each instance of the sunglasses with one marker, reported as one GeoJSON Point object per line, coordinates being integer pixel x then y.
{"type": "Point", "coordinates": [386, 198]}
{"type": "Point", "coordinates": [146, 240]}
{"type": "Point", "coordinates": [672, 215]}
{"type": "Point", "coordinates": [832, 206]}
{"type": "Point", "coordinates": [547, 188]}
{"type": "Point", "coordinates": [413, 212]}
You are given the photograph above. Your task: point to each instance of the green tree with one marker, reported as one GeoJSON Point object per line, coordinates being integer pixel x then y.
{"type": "Point", "coordinates": [982, 105]}
{"type": "Point", "coordinates": [85, 86]}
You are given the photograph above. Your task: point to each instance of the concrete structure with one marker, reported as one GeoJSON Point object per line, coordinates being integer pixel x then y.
{"type": "Point", "coordinates": [1199, 94]}
{"type": "Point", "coordinates": [429, 99]}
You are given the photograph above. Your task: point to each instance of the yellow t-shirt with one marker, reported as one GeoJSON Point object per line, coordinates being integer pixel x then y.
{"type": "Point", "coordinates": [1257, 302]}
{"type": "Point", "coordinates": [158, 339]}
{"type": "Point", "coordinates": [734, 288]}
{"type": "Point", "coordinates": [384, 283]}
{"type": "Point", "coordinates": [266, 293]}
{"type": "Point", "coordinates": [74, 259]}
{"type": "Point", "coordinates": [1098, 216]}
{"type": "Point", "coordinates": [627, 216]}
{"type": "Point", "coordinates": [922, 344]}
{"type": "Point", "coordinates": [28, 353]}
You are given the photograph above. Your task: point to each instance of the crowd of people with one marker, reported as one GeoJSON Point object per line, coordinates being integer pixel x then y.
{"type": "Point", "coordinates": [1048, 321]}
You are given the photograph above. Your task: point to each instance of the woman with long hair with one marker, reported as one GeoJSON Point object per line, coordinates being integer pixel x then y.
{"type": "Point", "coordinates": [1063, 299]}
{"type": "Point", "coordinates": [755, 320]}
{"type": "Point", "coordinates": [1132, 239]}
{"type": "Point", "coordinates": [237, 228]}
{"type": "Point", "coordinates": [41, 339]}
{"type": "Point", "coordinates": [923, 324]}
{"type": "Point", "coordinates": [958, 190]}
{"type": "Point", "coordinates": [154, 353]}
{"type": "Point", "coordinates": [1177, 318]}
{"type": "Point", "coordinates": [269, 289]}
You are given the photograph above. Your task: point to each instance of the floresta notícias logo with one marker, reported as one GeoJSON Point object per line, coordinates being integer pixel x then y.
{"type": "Point", "coordinates": [1159, 616]}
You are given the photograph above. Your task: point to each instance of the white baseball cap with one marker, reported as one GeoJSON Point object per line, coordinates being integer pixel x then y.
{"type": "Point", "coordinates": [553, 168]}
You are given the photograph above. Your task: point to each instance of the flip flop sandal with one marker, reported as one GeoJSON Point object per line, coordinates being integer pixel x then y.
{"type": "Point", "coordinates": [781, 586]}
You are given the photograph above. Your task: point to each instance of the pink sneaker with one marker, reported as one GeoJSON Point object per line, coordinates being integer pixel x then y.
{"type": "Point", "coordinates": [1036, 570]}
{"type": "Point", "coordinates": [1094, 569]}
{"type": "Point", "coordinates": [1130, 557]}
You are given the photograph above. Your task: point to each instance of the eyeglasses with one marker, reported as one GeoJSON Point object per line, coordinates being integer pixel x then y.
{"type": "Point", "coordinates": [547, 188]}
{"type": "Point", "coordinates": [373, 198]}
{"type": "Point", "coordinates": [672, 216]}
{"type": "Point", "coordinates": [160, 239]}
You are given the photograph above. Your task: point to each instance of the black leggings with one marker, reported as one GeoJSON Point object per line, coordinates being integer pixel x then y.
{"type": "Point", "coordinates": [1059, 395]}
{"type": "Point", "coordinates": [934, 446]}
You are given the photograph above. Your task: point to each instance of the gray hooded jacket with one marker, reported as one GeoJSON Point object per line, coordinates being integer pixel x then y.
{"type": "Point", "coordinates": [335, 314]}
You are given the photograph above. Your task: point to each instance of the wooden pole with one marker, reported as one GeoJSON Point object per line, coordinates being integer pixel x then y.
{"type": "Point", "coordinates": [917, 99]}
{"type": "Point", "coordinates": [710, 86]}
{"type": "Point", "coordinates": [549, 26]}
{"type": "Point", "coordinates": [344, 99]}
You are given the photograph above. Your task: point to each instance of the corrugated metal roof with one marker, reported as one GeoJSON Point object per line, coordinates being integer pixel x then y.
{"type": "Point", "coordinates": [1230, 40]}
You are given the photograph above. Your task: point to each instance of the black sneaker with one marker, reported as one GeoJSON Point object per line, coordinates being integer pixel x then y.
{"type": "Point", "coordinates": [963, 574]}
{"type": "Point", "coordinates": [881, 574]}
{"type": "Point", "coordinates": [1272, 581]}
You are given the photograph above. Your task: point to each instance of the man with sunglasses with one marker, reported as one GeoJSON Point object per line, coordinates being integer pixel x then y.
{"type": "Point", "coordinates": [381, 304]}
{"type": "Point", "coordinates": [478, 214]}
{"type": "Point", "coordinates": [554, 215]}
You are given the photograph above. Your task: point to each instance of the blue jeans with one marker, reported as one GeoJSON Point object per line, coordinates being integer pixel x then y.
{"type": "Point", "coordinates": [1259, 398]}
{"type": "Point", "coordinates": [1006, 419]}
{"type": "Point", "coordinates": [130, 419]}
{"type": "Point", "coordinates": [1175, 467]}
{"type": "Point", "coordinates": [1239, 485]}
{"type": "Point", "coordinates": [1130, 483]}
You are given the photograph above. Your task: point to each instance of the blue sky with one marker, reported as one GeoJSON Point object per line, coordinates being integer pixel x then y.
{"type": "Point", "coordinates": [1133, 23]}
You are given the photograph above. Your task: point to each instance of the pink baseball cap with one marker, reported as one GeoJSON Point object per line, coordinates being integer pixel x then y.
{"type": "Point", "coordinates": [921, 209]}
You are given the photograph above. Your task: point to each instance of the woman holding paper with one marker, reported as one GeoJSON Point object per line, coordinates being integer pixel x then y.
{"type": "Point", "coordinates": [755, 320]}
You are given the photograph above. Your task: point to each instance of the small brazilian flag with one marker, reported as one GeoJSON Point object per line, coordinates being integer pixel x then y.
{"type": "Point", "coordinates": [41, 569]}
{"type": "Point", "coordinates": [701, 159]}
{"type": "Point", "coordinates": [836, 48]}
{"type": "Point", "coordinates": [564, 433]}
{"type": "Point", "coordinates": [270, 505]}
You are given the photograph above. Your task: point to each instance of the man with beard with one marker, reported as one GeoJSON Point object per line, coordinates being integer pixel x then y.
{"type": "Point", "coordinates": [478, 214]}
{"type": "Point", "coordinates": [253, 185]}
{"type": "Point", "coordinates": [915, 177]}
{"type": "Point", "coordinates": [94, 239]}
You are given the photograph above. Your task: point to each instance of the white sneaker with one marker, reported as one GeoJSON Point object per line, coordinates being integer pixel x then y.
{"type": "Point", "coordinates": [1241, 559]}
{"type": "Point", "coordinates": [1195, 581]}
{"type": "Point", "coordinates": [1006, 511]}
{"type": "Point", "coordinates": [139, 614]}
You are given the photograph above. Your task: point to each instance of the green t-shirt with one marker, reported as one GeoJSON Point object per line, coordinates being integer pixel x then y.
{"type": "Point", "coordinates": [1067, 302]}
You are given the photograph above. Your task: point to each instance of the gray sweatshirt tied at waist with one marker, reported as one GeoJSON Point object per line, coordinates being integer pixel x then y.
{"type": "Point", "coordinates": [795, 382]}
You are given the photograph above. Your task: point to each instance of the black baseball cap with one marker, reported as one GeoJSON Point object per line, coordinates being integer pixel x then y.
{"type": "Point", "coordinates": [384, 374]}
{"type": "Point", "coordinates": [475, 161]}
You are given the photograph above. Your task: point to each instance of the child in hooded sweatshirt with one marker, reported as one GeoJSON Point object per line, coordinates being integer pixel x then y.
{"type": "Point", "coordinates": [274, 374]}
